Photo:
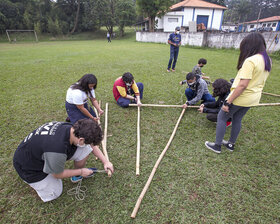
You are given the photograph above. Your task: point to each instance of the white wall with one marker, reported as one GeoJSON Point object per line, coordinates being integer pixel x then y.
{"type": "Point", "coordinates": [188, 15]}
{"type": "Point", "coordinates": [217, 40]}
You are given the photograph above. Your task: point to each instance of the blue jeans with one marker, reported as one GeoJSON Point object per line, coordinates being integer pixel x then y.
{"type": "Point", "coordinates": [75, 114]}
{"type": "Point", "coordinates": [124, 102]}
{"type": "Point", "coordinates": [190, 94]}
{"type": "Point", "coordinates": [174, 51]}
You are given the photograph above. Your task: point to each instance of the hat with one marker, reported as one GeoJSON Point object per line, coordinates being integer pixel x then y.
{"type": "Point", "coordinates": [177, 28]}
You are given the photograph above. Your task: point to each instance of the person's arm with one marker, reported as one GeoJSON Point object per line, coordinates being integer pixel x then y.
{"type": "Point", "coordinates": [96, 105]}
{"type": "Point", "coordinates": [137, 93]}
{"type": "Point", "coordinates": [107, 164]}
{"type": "Point", "coordinates": [242, 85]}
{"type": "Point", "coordinates": [183, 82]}
{"type": "Point", "coordinates": [73, 172]}
{"type": "Point", "coordinates": [171, 43]}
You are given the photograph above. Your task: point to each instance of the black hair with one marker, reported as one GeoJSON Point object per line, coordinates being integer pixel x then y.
{"type": "Point", "coordinates": [202, 61]}
{"type": "Point", "coordinates": [221, 87]}
{"type": "Point", "coordinates": [190, 76]}
{"type": "Point", "coordinates": [89, 130]}
{"type": "Point", "coordinates": [252, 44]}
{"type": "Point", "coordinates": [127, 77]}
{"type": "Point", "coordinates": [83, 83]}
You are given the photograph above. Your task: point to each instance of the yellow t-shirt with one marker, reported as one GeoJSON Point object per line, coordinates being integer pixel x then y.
{"type": "Point", "coordinates": [253, 69]}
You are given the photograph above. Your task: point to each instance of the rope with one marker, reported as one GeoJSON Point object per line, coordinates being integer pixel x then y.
{"type": "Point", "coordinates": [80, 191]}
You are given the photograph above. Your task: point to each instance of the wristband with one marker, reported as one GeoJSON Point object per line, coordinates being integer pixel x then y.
{"type": "Point", "coordinates": [187, 103]}
{"type": "Point", "coordinates": [226, 103]}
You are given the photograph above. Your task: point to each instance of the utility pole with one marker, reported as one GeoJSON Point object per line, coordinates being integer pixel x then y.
{"type": "Point", "coordinates": [258, 19]}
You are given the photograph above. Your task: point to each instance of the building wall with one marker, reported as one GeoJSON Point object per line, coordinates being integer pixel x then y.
{"type": "Point", "coordinates": [204, 39]}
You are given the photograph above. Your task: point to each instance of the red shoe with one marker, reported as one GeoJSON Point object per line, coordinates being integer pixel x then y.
{"type": "Point", "coordinates": [228, 123]}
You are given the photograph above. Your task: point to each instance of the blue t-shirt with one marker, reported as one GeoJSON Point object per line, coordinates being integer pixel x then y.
{"type": "Point", "coordinates": [174, 38]}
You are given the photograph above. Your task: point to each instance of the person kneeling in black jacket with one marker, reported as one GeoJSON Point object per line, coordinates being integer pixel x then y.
{"type": "Point", "coordinates": [221, 88]}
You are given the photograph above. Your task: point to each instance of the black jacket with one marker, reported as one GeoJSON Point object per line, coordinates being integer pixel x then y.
{"type": "Point", "coordinates": [214, 107]}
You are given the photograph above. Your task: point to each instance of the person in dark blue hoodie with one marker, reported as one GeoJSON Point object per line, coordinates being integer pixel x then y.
{"type": "Point", "coordinates": [175, 42]}
{"type": "Point", "coordinates": [197, 90]}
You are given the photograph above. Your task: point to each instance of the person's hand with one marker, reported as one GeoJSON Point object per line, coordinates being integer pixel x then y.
{"type": "Point", "coordinates": [200, 109]}
{"type": "Point", "coordinates": [185, 106]}
{"type": "Point", "coordinates": [139, 104]}
{"type": "Point", "coordinates": [181, 83]}
{"type": "Point", "coordinates": [108, 166]}
{"type": "Point", "coordinates": [96, 119]}
{"type": "Point", "coordinates": [85, 172]}
{"type": "Point", "coordinates": [100, 112]}
{"type": "Point", "coordinates": [225, 108]}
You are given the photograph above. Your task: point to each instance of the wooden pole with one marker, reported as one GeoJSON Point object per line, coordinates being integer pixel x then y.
{"type": "Point", "coordinates": [267, 104]}
{"type": "Point", "coordinates": [135, 210]}
{"type": "Point", "coordinates": [161, 105]}
{"type": "Point", "coordinates": [138, 145]}
{"type": "Point", "coordinates": [105, 138]}
{"type": "Point", "coordinates": [270, 94]}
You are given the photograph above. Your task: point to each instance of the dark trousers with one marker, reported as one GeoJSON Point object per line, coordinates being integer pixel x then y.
{"type": "Point", "coordinates": [174, 51]}
{"type": "Point", "coordinates": [75, 114]}
{"type": "Point", "coordinates": [124, 102]}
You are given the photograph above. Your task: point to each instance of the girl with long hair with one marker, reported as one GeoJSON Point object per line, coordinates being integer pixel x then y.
{"type": "Point", "coordinates": [253, 67]}
{"type": "Point", "coordinates": [77, 96]}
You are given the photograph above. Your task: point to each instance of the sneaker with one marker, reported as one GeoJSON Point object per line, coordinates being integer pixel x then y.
{"type": "Point", "coordinates": [67, 119]}
{"type": "Point", "coordinates": [173, 70]}
{"type": "Point", "coordinates": [228, 145]}
{"type": "Point", "coordinates": [212, 146]}
{"type": "Point", "coordinates": [228, 123]}
{"type": "Point", "coordinates": [168, 70]}
{"type": "Point", "coordinates": [76, 179]}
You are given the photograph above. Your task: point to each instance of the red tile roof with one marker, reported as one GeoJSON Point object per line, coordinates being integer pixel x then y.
{"type": "Point", "coordinates": [196, 4]}
{"type": "Point", "coordinates": [269, 19]}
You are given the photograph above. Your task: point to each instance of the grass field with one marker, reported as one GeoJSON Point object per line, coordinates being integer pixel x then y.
{"type": "Point", "coordinates": [191, 185]}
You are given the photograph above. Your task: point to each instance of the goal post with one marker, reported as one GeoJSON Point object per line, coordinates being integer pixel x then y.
{"type": "Point", "coordinates": [10, 31]}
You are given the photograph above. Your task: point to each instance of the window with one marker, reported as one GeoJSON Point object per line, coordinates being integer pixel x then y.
{"type": "Point", "coordinates": [269, 24]}
{"type": "Point", "coordinates": [264, 25]}
{"type": "Point", "coordinates": [274, 25]}
{"type": "Point", "coordinates": [173, 20]}
{"type": "Point", "coordinates": [252, 26]}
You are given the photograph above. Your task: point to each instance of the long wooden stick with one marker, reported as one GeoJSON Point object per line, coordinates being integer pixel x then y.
{"type": "Point", "coordinates": [270, 94]}
{"type": "Point", "coordinates": [104, 141]}
{"type": "Point", "coordinates": [267, 104]}
{"type": "Point", "coordinates": [161, 105]}
{"type": "Point", "coordinates": [138, 145]}
{"type": "Point", "coordinates": [135, 210]}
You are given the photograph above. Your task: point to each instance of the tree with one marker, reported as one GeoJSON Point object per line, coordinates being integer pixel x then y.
{"type": "Point", "coordinates": [125, 14]}
{"type": "Point", "coordinates": [153, 8]}
{"type": "Point", "coordinates": [218, 2]}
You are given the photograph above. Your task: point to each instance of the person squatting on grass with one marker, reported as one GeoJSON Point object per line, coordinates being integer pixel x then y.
{"type": "Point", "coordinates": [126, 90]}
{"type": "Point", "coordinates": [221, 88]}
{"type": "Point", "coordinates": [197, 90]}
{"type": "Point", "coordinates": [76, 99]}
{"type": "Point", "coordinates": [40, 158]}
{"type": "Point", "coordinates": [197, 68]}
{"type": "Point", "coordinates": [253, 67]}
{"type": "Point", "coordinates": [175, 42]}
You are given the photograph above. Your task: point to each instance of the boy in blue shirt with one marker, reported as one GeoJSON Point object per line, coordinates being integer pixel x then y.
{"type": "Point", "coordinates": [175, 42]}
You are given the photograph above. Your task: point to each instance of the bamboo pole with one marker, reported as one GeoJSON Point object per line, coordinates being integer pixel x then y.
{"type": "Point", "coordinates": [161, 105]}
{"type": "Point", "coordinates": [267, 104]}
{"type": "Point", "coordinates": [137, 205]}
{"type": "Point", "coordinates": [105, 138]}
{"type": "Point", "coordinates": [270, 94]}
{"type": "Point", "coordinates": [138, 145]}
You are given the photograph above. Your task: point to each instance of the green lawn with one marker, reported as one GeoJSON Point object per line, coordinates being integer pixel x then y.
{"type": "Point", "coordinates": [192, 184]}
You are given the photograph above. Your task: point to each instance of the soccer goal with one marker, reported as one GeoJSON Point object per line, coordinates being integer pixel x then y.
{"type": "Point", "coordinates": [20, 35]}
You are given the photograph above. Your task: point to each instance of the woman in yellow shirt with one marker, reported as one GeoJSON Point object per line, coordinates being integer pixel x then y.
{"type": "Point", "coordinates": [253, 67]}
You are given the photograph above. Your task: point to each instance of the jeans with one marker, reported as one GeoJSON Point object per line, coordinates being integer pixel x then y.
{"type": "Point", "coordinates": [75, 114]}
{"type": "Point", "coordinates": [124, 102]}
{"type": "Point", "coordinates": [190, 94]}
{"type": "Point", "coordinates": [174, 51]}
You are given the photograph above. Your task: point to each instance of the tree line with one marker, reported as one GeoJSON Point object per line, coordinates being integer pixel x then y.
{"type": "Point", "coordinates": [70, 16]}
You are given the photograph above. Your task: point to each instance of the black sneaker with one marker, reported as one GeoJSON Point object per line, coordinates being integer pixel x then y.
{"type": "Point", "coordinates": [212, 146]}
{"type": "Point", "coordinates": [228, 145]}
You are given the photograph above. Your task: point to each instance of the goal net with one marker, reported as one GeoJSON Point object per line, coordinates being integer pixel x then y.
{"type": "Point", "coordinates": [21, 35]}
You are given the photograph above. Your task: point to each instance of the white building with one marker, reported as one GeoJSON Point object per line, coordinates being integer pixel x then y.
{"type": "Point", "coordinates": [266, 24]}
{"type": "Point", "coordinates": [182, 13]}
